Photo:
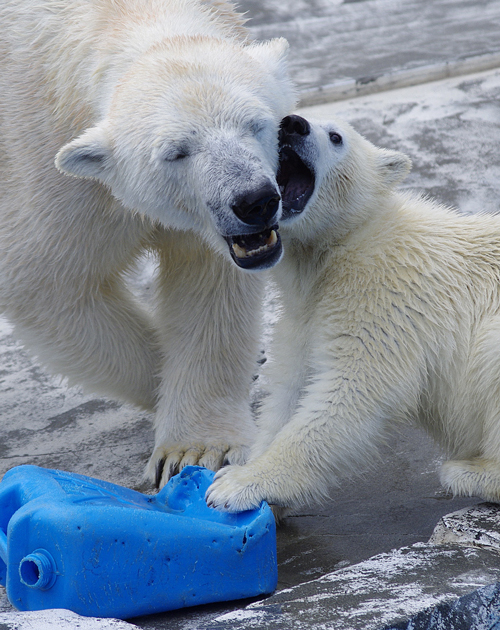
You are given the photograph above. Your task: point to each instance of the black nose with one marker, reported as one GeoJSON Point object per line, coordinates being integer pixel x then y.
{"type": "Point", "coordinates": [258, 207]}
{"type": "Point", "coordinates": [294, 126]}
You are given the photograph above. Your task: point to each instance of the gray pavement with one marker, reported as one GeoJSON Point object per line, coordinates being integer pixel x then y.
{"type": "Point", "coordinates": [451, 130]}
{"type": "Point", "coordinates": [343, 48]}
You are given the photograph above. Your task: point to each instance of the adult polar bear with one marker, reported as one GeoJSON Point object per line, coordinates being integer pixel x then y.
{"type": "Point", "coordinates": [168, 118]}
{"type": "Point", "coordinates": [391, 312]}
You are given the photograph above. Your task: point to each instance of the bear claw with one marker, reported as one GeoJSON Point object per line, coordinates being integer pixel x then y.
{"type": "Point", "coordinates": [169, 461]}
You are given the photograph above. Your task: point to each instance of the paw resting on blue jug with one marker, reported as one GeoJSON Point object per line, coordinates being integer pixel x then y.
{"type": "Point", "coordinates": [169, 460]}
{"type": "Point", "coordinates": [185, 493]}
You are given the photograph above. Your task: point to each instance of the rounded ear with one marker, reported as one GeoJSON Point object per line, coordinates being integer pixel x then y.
{"type": "Point", "coordinates": [87, 156]}
{"type": "Point", "coordinates": [273, 54]}
{"type": "Point", "coordinates": [393, 166]}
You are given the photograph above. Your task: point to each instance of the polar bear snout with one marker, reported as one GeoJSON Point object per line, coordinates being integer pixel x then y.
{"type": "Point", "coordinates": [259, 245]}
{"type": "Point", "coordinates": [293, 125]}
{"type": "Point", "coordinates": [296, 179]}
{"type": "Point", "coordinates": [258, 208]}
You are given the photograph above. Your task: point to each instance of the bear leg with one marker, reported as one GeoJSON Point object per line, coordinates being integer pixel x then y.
{"type": "Point", "coordinates": [209, 321]}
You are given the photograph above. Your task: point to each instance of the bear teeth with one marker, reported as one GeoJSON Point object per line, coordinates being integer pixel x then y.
{"type": "Point", "coordinates": [272, 240]}
{"type": "Point", "coordinates": [241, 252]}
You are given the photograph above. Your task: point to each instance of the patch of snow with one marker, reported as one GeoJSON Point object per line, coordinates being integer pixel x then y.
{"type": "Point", "coordinates": [60, 619]}
{"type": "Point", "coordinates": [242, 615]}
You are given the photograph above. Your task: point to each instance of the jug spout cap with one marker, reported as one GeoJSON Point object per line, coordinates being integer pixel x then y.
{"type": "Point", "coordinates": [38, 570]}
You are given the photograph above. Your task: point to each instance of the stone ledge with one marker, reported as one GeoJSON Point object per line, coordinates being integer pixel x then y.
{"type": "Point", "coordinates": [386, 591]}
{"type": "Point", "coordinates": [451, 582]}
{"type": "Point", "coordinates": [477, 526]}
{"type": "Point", "coordinates": [397, 78]}
{"type": "Point", "coordinates": [479, 610]}
{"type": "Point", "coordinates": [60, 619]}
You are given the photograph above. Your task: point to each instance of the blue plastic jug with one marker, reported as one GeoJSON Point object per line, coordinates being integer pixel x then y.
{"type": "Point", "coordinates": [69, 541]}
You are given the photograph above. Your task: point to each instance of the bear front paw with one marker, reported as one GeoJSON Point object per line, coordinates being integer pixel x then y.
{"type": "Point", "coordinates": [167, 461]}
{"type": "Point", "coordinates": [235, 489]}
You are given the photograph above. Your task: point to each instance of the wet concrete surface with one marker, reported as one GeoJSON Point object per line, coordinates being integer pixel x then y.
{"type": "Point", "coordinates": [343, 48]}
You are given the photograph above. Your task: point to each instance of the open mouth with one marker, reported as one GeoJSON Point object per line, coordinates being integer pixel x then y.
{"type": "Point", "coordinates": [296, 182]}
{"type": "Point", "coordinates": [256, 251]}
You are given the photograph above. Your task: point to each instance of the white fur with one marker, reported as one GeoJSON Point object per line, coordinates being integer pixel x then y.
{"type": "Point", "coordinates": [391, 312]}
{"type": "Point", "coordinates": [163, 113]}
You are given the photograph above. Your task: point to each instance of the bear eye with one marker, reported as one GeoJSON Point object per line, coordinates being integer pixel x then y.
{"type": "Point", "coordinates": [177, 155]}
{"type": "Point", "coordinates": [176, 152]}
{"type": "Point", "coordinates": [258, 126]}
{"type": "Point", "coordinates": [335, 138]}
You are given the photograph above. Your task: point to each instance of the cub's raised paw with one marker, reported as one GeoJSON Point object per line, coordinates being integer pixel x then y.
{"type": "Point", "coordinates": [235, 489]}
{"type": "Point", "coordinates": [167, 461]}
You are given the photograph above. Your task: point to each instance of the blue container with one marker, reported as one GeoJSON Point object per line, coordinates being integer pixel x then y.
{"type": "Point", "coordinates": [69, 541]}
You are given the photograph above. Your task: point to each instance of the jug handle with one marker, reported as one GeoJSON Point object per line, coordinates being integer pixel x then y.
{"type": "Point", "coordinates": [3, 546]}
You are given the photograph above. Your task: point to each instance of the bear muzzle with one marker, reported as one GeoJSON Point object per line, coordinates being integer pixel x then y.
{"type": "Point", "coordinates": [256, 251]}
{"type": "Point", "coordinates": [258, 210]}
{"type": "Point", "coordinates": [295, 179]}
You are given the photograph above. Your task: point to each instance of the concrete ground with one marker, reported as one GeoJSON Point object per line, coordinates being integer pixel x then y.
{"type": "Point", "coordinates": [450, 127]}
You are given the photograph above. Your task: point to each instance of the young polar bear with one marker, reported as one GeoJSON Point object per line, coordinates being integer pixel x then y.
{"type": "Point", "coordinates": [165, 118]}
{"type": "Point", "coordinates": [391, 312]}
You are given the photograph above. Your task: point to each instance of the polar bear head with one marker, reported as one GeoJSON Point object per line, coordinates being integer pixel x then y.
{"type": "Point", "coordinates": [331, 178]}
{"type": "Point", "coordinates": [189, 138]}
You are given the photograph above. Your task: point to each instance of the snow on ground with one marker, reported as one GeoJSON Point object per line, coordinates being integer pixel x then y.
{"type": "Point", "coordinates": [60, 619]}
